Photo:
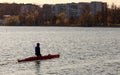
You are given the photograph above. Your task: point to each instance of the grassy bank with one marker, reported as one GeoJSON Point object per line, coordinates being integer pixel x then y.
{"type": "Point", "coordinates": [115, 25]}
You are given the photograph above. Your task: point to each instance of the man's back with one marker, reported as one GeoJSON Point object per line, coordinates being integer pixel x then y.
{"type": "Point", "coordinates": [37, 50]}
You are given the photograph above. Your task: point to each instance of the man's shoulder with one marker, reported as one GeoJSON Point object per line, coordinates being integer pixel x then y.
{"type": "Point", "coordinates": [37, 47]}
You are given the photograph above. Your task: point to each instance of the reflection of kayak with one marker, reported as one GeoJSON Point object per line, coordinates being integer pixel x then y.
{"type": "Point", "coordinates": [49, 56]}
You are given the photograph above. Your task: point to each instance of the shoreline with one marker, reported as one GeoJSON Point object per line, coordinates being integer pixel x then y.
{"type": "Point", "coordinates": [67, 25]}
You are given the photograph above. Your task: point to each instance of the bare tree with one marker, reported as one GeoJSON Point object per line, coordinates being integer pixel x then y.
{"type": "Point", "coordinates": [86, 17]}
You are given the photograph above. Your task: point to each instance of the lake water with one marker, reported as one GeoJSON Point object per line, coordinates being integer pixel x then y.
{"type": "Point", "coordinates": [83, 51]}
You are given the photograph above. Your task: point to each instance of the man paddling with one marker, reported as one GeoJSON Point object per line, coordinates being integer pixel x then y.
{"type": "Point", "coordinates": [37, 50]}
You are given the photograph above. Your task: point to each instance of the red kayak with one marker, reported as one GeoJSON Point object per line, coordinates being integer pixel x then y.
{"type": "Point", "coordinates": [45, 57]}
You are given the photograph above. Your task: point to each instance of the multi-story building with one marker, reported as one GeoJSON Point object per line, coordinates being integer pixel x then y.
{"type": "Point", "coordinates": [82, 6]}
{"type": "Point", "coordinates": [74, 9]}
{"type": "Point", "coordinates": [99, 8]}
{"type": "Point", "coordinates": [47, 11]}
{"type": "Point", "coordinates": [96, 7]}
{"type": "Point", "coordinates": [61, 8]}
{"type": "Point", "coordinates": [28, 8]}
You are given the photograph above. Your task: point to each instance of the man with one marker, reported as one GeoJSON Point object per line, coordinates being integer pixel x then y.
{"type": "Point", "coordinates": [37, 50]}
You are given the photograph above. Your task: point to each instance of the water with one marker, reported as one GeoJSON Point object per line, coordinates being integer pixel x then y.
{"type": "Point", "coordinates": [83, 51]}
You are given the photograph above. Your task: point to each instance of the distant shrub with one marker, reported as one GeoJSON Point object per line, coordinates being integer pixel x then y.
{"type": "Point", "coordinates": [11, 21]}
{"type": "Point", "coordinates": [30, 20]}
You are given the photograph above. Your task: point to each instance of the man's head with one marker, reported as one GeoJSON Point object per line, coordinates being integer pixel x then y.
{"type": "Point", "coordinates": [38, 44]}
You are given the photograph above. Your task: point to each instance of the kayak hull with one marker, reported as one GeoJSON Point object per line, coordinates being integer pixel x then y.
{"type": "Point", "coordinates": [45, 57]}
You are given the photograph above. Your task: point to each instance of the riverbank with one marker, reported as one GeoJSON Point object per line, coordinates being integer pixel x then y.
{"type": "Point", "coordinates": [70, 25]}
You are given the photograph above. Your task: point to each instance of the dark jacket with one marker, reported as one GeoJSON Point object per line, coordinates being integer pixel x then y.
{"type": "Point", "coordinates": [37, 51]}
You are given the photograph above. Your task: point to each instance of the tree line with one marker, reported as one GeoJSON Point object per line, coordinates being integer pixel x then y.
{"type": "Point", "coordinates": [107, 18]}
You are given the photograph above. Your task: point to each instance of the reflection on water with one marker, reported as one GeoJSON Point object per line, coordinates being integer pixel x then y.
{"type": "Point", "coordinates": [83, 51]}
{"type": "Point", "coordinates": [37, 67]}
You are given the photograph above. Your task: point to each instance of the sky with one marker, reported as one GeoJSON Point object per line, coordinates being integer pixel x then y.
{"type": "Point", "coordinates": [41, 2]}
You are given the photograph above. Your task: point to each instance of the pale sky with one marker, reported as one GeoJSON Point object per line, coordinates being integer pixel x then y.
{"type": "Point", "coordinates": [117, 2]}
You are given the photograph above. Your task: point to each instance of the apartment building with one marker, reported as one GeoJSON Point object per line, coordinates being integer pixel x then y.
{"type": "Point", "coordinates": [82, 6]}
{"type": "Point", "coordinates": [61, 8]}
{"type": "Point", "coordinates": [47, 11]}
{"type": "Point", "coordinates": [28, 8]}
{"type": "Point", "coordinates": [98, 7]}
{"type": "Point", "coordinates": [74, 9]}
